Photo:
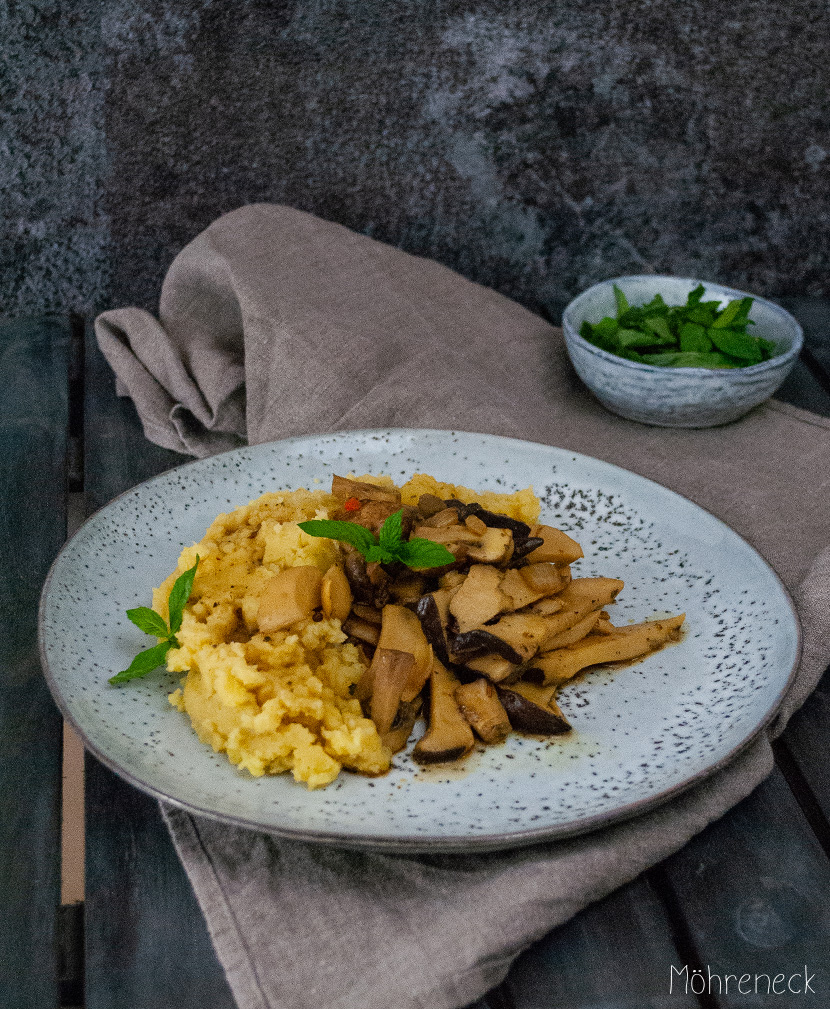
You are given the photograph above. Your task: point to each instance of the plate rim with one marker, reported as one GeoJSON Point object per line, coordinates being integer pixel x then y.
{"type": "Point", "coordinates": [419, 844]}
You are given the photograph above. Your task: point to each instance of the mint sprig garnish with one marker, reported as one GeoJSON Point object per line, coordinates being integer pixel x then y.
{"type": "Point", "coordinates": [386, 548]}
{"type": "Point", "coordinates": [153, 623]}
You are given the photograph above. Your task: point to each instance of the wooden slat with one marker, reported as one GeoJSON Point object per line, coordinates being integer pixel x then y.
{"type": "Point", "coordinates": [754, 888]}
{"type": "Point", "coordinates": [807, 740]}
{"type": "Point", "coordinates": [147, 943]}
{"type": "Point", "coordinates": [33, 431]}
{"type": "Point", "coordinates": [614, 953]}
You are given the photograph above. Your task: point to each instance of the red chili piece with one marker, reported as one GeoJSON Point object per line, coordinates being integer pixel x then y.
{"type": "Point", "coordinates": [351, 504]}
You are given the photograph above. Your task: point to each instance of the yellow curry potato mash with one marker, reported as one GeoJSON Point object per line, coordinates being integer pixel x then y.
{"type": "Point", "coordinates": [281, 701]}
{"type": "Point", "coordinates": [274, 702]}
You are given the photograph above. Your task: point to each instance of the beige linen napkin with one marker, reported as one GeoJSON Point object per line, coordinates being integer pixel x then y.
{"type": "Point", "coordinates": [275, 323]}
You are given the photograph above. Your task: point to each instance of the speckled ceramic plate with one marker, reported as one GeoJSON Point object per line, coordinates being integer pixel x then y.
{"type": "Point", "coordinates": [642, 733]}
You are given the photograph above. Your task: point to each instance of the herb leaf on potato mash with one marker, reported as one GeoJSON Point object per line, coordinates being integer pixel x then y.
{"type": "Point", "coordinates": [321, 626]}
{"type": "Point", "coordinates": [150, 622]}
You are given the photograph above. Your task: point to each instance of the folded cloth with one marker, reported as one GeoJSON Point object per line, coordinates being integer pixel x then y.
{"type": "Point", "coordinates": [275, 323]}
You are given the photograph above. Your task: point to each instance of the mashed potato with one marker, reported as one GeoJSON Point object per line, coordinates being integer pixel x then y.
{"type": "Point", "coordinates": [280, 701]}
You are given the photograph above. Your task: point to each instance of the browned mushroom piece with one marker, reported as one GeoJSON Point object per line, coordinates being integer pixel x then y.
{"type": "Point", "coordinates": [449, 736]}
{"type": "Point", "coordinates": [496, 668]}
{"type": "Point", "coordinates": [556, 546]}
{"type": "Point", "coordinates": [398, 735]}
{"type": "Point", "coordinates": [391, 670]}
{"type": "Point", "coordinates": [434, 626]}
{"type": "Point", "coordinates": [532, 708]}
{"type": "Point", "coordinates": [544, 577]}
{"type": "Point", "coordinates": [429, 505]}
{"type": "Point", "coordinates": [362, 630]}
{"type": "Point", "coordinates": [478, 599]}
{"type": "Point", "coordinates": [478, 642]}
{"type": "Point", "coordinates": [291, 595]}
{"type": "Point", "coordinates": [344, 488]}
{"type": "Point", "coordinates": [401, 631]}
{"type": "Point", "coordinates": [495, 546]}
{"type": "Point", "coordinates": [480, 705]}
{"type": "Point", "coordinates": [518, 590]}
{"type": "Point", "coordinates": [336, 593]}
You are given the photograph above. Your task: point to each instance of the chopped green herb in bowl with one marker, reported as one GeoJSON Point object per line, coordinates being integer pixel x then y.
{"type": "Point", "coordinates": [679, 352]}
{"type": "Point", "coordinates": [698, 334]}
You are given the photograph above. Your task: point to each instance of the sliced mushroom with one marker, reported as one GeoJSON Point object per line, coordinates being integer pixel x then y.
{"type": "Point", "coordinates": [474, 524]}
{"type": "Point", "coordinates": [336, 593]}
{"type": "Point", "coordinates": [496, 546]}
{"type": "Point", "coordinates": [401, 630]}
{"type": "Point", "coordinates": [496, 668]}
{"type": "Point", "coordinates": [581, 597]}
{"type": "Point", "coordinates": [480, 642]}
{"type": "Point", "coordinates": [344, 488]}
{"type": "Point", "coordinates": [547, 605]}
{"type": "Point", "coordinates": [480, 705]}
{"type": "Point", "coordinates": [625, 643]}
{"type": "Point", "coordinates": [523, 632]}
{"type": "Point", "coordinates": [449, 735]}
{"type": "Point", "coordinates": [518, 590]}
{"type": "Point", "coordinates": [543, 577]}
{"type": "Point", "coordinates": [289, 596]}
{"type": "Point", "coordinates": [441, 519]}
{"type": "Point", "coordinates": [433, 624]}
{"type": "Point", "coordinates": [556, 546]}
{"type": "Point", "coordinates": [446, 534]}
{"type": "Point", "coordinates": [478, 599]}
{"type": "Point", "coordinates": [391, 672]}
{"type": "Point", "coordinates": [573, 634]}
{"type": "Point", "coordinates": [429, 505]}
{"type": "Point", "coordinates": [362, 630]}
{"type": "Point", "coordinates": [533, 709]}
{"type": "Point", "coordinates": [398, 736]}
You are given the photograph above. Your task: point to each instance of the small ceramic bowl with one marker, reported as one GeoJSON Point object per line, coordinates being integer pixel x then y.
{"type": "Point", "coordinates": [677, 397]}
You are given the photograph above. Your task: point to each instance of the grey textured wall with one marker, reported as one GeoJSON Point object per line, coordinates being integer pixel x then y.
{"type": "Point", "coordinates": [534, 147]}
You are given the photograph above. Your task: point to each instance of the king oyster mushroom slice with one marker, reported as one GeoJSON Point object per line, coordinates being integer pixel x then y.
{"type": "Point", "coordinates": [390, 672]}
{"type": "Point", "coordinates": [556, 546]}
{"type": "Point", "coordinates": [533, 709]}
{"type": "Point", "coordinates": [336, 593]}
{"type": "Point", "coordinates": [449, 735]}
{"type": "Point", "coordinates": [433, 624]}
{"type": "Point", "coordinates": [291, 595]}
{"type": "Point", "coordinates": [496, 546]}
{"type": "Point", "coordinates": [344, 488]}
{"type": "Point", "coordinates": [478, 598]}
{"type": "Point", "coordinates": [480, 705]}
{"type": "Point", "coordinates": [398, 735]}
{"type": "Point", "coordinates": [401, 631]}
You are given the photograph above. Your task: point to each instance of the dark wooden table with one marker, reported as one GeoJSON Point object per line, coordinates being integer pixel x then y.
{"type": "Point", "coordinates": [750, 895]}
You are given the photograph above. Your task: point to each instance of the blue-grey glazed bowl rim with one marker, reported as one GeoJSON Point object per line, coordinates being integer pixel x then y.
{"type": "Point", "coordinates": [418, 844]}
{"type": "Point", "coordinates": [773, 364]}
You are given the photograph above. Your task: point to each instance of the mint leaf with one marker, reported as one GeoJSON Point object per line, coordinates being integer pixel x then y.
{"type": "Point", "coordinates": [695, 296]}
{"type": "Point", "coordinates": [347, 532]}
{"type": "Point", "coordinates": [693, 337]}
{"type": "Point", "coordinates": [729, 315]}
{"type": "Point", "coordinates": [420, 553]}
{"type": "Point", "coordinates": [145, 662]}
{"type": "Point", "coordinates": [621, 300]}
{"type": "Point", "coordinates": [148, 621]}
{"type": "Point", "coordinates": [379, 555]}
{"type": "Point", "coordinates": [391, 531]}
{"type": "Point", "coordinates": [736, 344]}
{"type": "Point", "coordinates": [179, 595]}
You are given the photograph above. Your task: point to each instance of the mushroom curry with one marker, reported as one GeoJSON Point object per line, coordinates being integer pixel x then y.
{"type": "Point", "coordinates": [481, 637]}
